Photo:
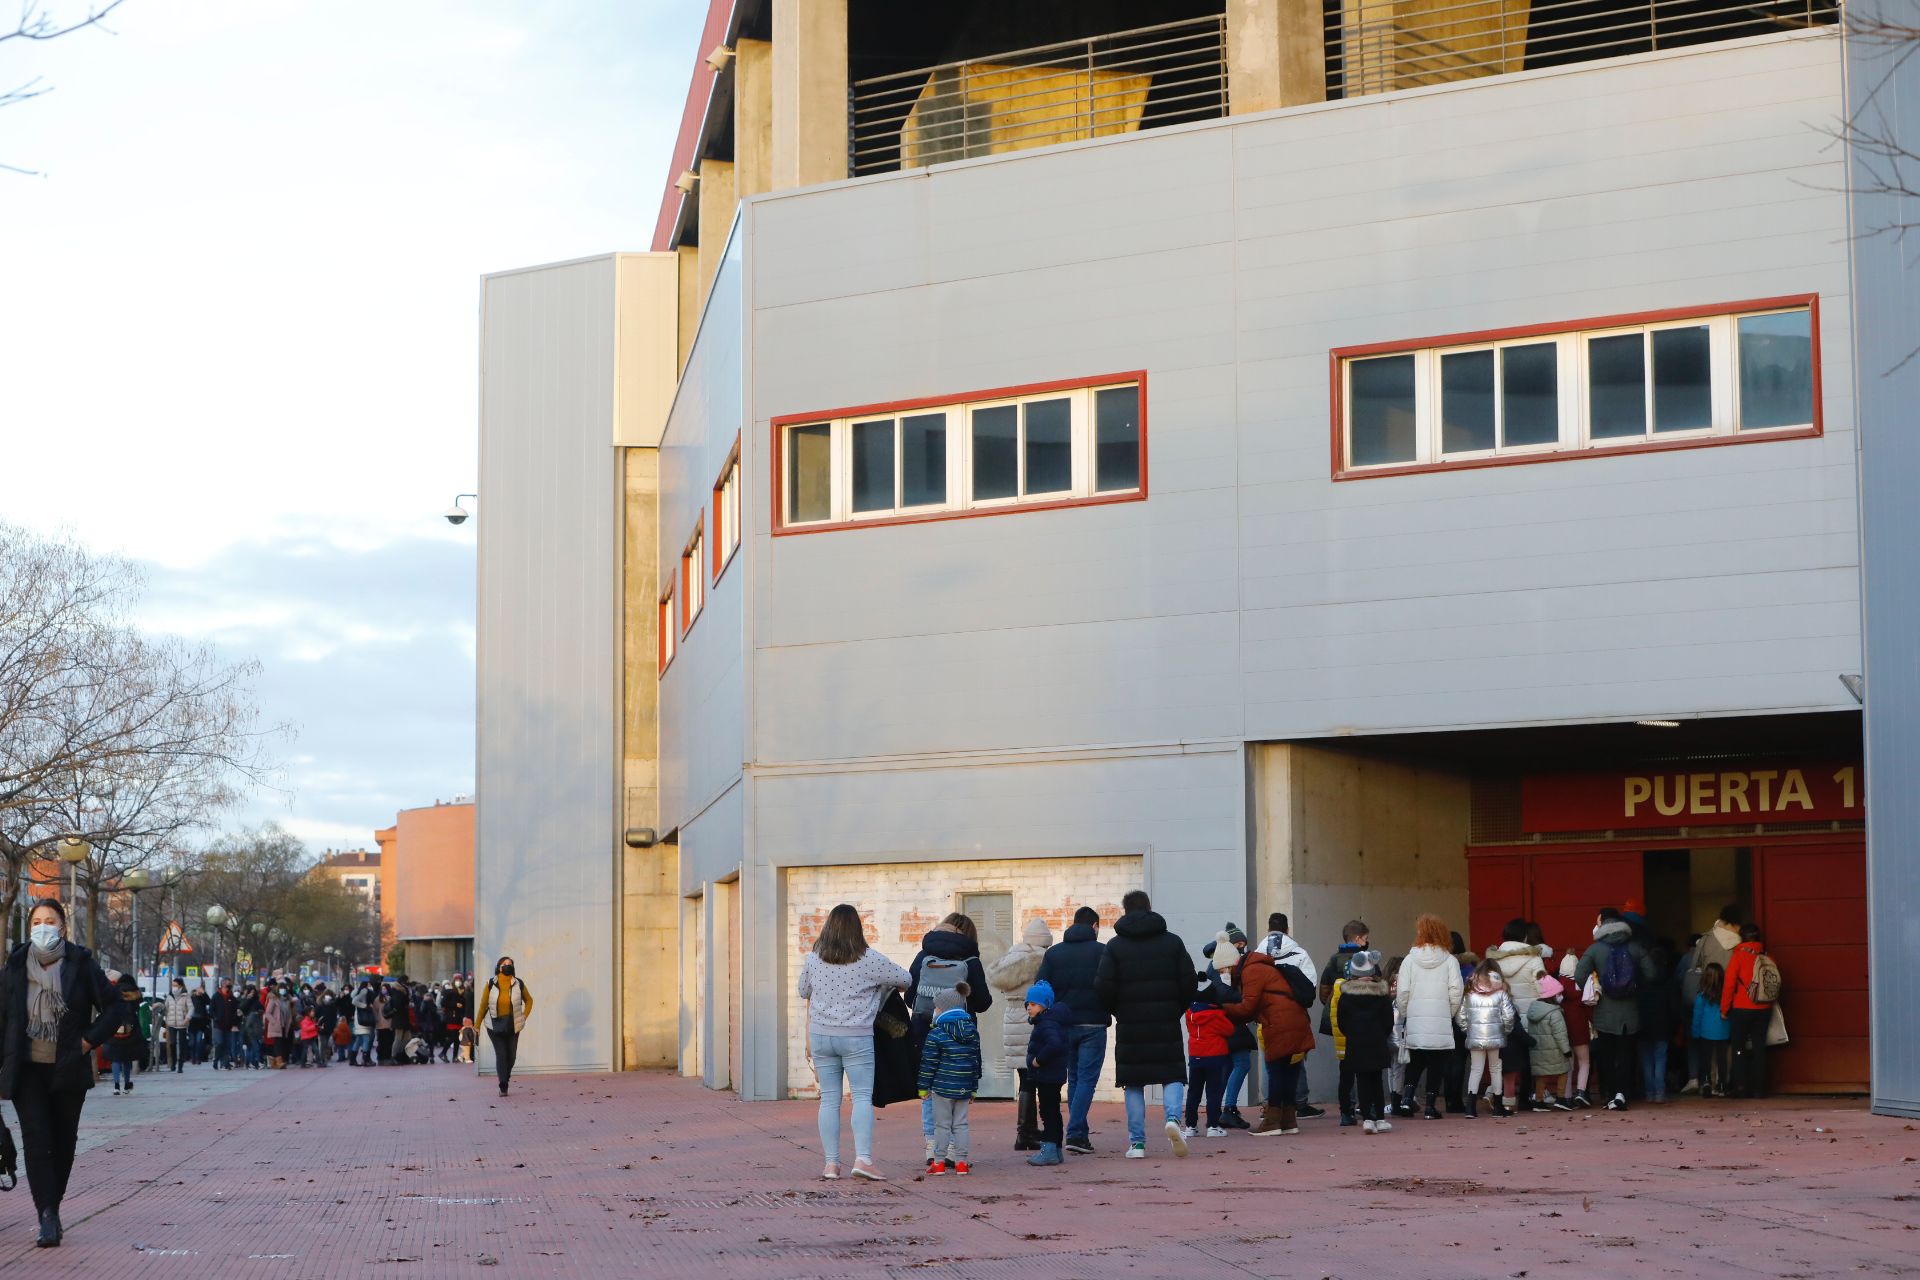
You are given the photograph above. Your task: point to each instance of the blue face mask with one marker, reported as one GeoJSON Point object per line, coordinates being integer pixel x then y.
{"type": "Point", "coordinates": [45, 936]}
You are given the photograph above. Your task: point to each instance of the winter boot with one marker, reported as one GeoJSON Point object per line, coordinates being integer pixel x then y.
{"type": "Point", "coordinates": [1289, 1120]}
{"type": "Point", "coordinates": [1473, 1106]}
{"type": "Point", "coordinates": [1049, 1154]}
{"type": "Point", "coordinates": [1433, 1107]}
{"type": "Point", "coordinates": [1499, 1106]}
{"type": "Point", "coordinates": [1230, 1118]}
{"type": "Point", "coordinates": [1272, 1121]}
{"type": "Point", "coordinates": [1027, 1126]}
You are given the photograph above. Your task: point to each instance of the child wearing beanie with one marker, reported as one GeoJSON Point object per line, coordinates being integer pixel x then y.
{"type": "Point", "coordinates": [1047, 1051]}
{"type": "Point", "coordinates": [1364, 1018]}
{"type": "Point", "coordinates": [1550, 1056]}
{"type": "Point", "coordinates": [950, 1074]}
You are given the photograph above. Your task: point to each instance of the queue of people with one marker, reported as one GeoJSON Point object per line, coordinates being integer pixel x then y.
{"type": "Point", "coordinates": [1522, 1029]}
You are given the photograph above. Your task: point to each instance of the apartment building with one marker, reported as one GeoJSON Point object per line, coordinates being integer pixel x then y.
{"type": "Point", "coordinates": [1045, 454]}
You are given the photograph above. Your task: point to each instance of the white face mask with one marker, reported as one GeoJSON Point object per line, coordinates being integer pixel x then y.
{"type": "Point", "coordinates": [46, 936]}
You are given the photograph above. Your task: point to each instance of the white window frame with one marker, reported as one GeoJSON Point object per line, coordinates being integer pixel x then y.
{"type": "Point", "coordinates": [726, 518]}
{"type": "Point", "coordinates": [1574, 390]}
{"type": "Point", "coordinates": [669, 628]}
{"type": "Point", "coordinates": [1082, 438]}
{"type": "Point", "coordinates": [693, 574]}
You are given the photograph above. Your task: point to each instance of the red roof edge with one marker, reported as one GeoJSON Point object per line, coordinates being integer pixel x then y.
{"type": "Point", "coordinates": [698, 91]}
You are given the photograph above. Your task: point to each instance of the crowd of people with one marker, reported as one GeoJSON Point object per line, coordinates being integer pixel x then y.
{"type": "Point", "coordinates": [1524, 1028]}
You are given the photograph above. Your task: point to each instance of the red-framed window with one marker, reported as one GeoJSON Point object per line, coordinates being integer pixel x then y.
{"type": "Point", "coordinates": [693, 577]}
{"type": "Point", "coordinates": [726, 512]}
{"type": "Point", "coordinates": [1042, 446]}
{"type": "Point", "coordinates": [1729, 373]}
{"type": "Point", "coordinates": [669, 630]}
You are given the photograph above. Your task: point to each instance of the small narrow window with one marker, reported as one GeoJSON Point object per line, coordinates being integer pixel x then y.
{"type": "Point", "coordinates": [1683, 379]}
{"type": "Point", "coordinates": [726, 515]}
{"type": "Point", "coordinates": [1466, 402]}
{"type": "Point", "coordinates": [1776, 370]}
{"type": "Point", "coordinates": [1381, 417]}
{"type": "Point", "coordinates": [1617, 386]}
{"type": "Point", "coordinates": [693, 581]}
{"type": "Point", "coordinates": [669, 629]}
{"type": "Point", "coordinates": [873, 471]}
{"type": "Point", "coordinates": [923, 460]}
{"type": "Point", "coordinates": [1529, 394]}
{"type": "Point", "coordinates": [810, 473]}
{"type": "Point", "coordinates": [1116, 453]}
{"type": "Point", "coordinates": [996, 452]}
{"type": "Point", "coordinates": [1049, 446]}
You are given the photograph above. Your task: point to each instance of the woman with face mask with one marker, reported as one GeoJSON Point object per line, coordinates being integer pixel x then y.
{"type": "Point", "coordinates": [56, 1008]}
{"type": "Point", "coordinates": [505, 1003]}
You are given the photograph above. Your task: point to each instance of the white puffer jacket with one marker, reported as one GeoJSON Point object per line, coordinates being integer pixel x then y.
{"type": "Point", "coordinates": [1011, 975]}
{"type": "Point", "coordinates": [1428, 997]}
{"type": "Point", "coordinates": [1522, 967]}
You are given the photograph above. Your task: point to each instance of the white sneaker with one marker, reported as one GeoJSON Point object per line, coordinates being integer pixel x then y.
{"type": "Point", "coordinates": [1187, 1131]}
{"type": "Point", "coordinates": [1177, 1137]}
{"type": "Point", "coordinates": [1381, 1126]}
{"type": "Point", "coordinates": [1691, 1086]}
{"type": "Point", "coordinates": [1138, 1151]}
{"type": "Point", "coordinates": [1215, 1131]}
{"type": "Point", "coordinates": [1367, 1126]}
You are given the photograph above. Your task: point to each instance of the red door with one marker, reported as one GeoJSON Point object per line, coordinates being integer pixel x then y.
{"type": "Point", "coordinates": [1570, 888]}
{"type": "Point", "coordinates": [1496, 893]}
{"type": "Point", "coordinates": [1813, 910]}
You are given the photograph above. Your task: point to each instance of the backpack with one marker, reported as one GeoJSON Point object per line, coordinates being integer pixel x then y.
{"type": "Point", "coordinates": [1765, 986]}
{"type": "Point", "coordinates": [1620, 975]}
{"type": "Point", "coordinates": [1301, 988]}
{"type": "Point", "coordinates": [936, 975]}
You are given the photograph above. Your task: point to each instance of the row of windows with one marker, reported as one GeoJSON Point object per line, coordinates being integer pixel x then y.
{"type": "Point", "coordinates": [689, 586]}
{"type": "Point", "coordinates": [1596, 388]}
{"type": "Point", "coordinates": [1060, 445]}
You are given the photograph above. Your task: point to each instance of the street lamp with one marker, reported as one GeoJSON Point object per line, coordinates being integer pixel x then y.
{"type": "Point", "coordinates": [133, 882]}
{"type": "Point", "coordinates": [73, 851]}
{"type": "Point", "coordinates": [217, 919]}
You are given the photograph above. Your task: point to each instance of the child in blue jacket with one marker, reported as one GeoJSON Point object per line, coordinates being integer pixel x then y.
{"type": "Point", "coordinates": [950, 1075]}
{"type": "Point", "coordinates": [1047, 1051]}
{"type": "Point", "coordinates": [1712, 1031]}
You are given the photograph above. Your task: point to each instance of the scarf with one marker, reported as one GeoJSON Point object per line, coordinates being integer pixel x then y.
{"type": "Point", "coordinates": [45, 1003]}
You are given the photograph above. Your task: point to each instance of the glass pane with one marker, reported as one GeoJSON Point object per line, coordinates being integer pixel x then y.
{"type": "Point", "coordinates": [1530, 394]}
{"type": "Point", "coordinates": [1466, 401]}
{"type": "Point", "coordinates": [1116, 453]}
{"type": "Point", "coordinates": [810, 473]}
{"type": "Point", "coordinates": [996, 452]}
{"type": "Point", "coordinates": [873, 465]}
{"type": "Point", "coordinates": [1049, 445]}
{"type": "Point", "coordinates": [1381, 416]}
{"type": "Point", "coordinates": [1776, 370]}
{"type": "Point", "coordinates": [1617, 390]}
{"type": "Point", "coordinates": [923, 459]}
{"type": "Point", "coordinates": [1682, 379]}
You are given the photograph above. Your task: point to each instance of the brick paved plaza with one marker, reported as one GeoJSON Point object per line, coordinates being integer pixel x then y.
{"type": "Point", "coordinates": [426, 1171]}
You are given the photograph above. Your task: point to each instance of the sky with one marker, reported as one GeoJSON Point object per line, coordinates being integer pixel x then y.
{"type": "Point", "coordinates": [238, 324]}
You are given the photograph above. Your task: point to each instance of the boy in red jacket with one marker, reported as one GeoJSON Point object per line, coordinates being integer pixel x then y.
{"type": "Point", "coordinates": [1208, 1061]}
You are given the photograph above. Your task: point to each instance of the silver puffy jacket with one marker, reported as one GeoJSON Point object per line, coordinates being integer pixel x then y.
{"type": "Point", "coordinates": [1486, 1017]}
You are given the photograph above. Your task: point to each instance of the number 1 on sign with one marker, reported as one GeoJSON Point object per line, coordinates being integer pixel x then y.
{"type": "Point", "coordinates": [1845, 778]}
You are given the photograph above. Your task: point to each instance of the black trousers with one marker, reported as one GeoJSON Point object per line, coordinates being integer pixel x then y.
{"type": "Point", "coordinates": [1048, 1098]}
{"type": "Point", "coordinates": [49, 1128]}
{"type": "Point", "coordinates": [1748, 1078]}
{"type": "Point", "coordinates": [1371, 1086]}
{"type": "Point", "coordinates": [1434, 1064]}
{"type": "Point", "coordinates": [383, 1044]}
{"type": "Point", "coordinates": [506, 1045]}
{"type": "Point", "coordinates": [1206, 1075]}
{"type": "Point", "coordinates": [1346, 1088]}
{"type": "Point", "coordinates": [1616, 1061]}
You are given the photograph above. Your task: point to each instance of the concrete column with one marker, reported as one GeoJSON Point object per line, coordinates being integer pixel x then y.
{"type": "Point", "coordinates": [716, 216]}
{"type": "Point", "coordinates": [1276, 54]}
{"type": "Point", "coordinates": [809, 92]}
{"type": "Point", "coordinates": [752, 117]}
{"type": "Point", "coordinates": [690, 297]}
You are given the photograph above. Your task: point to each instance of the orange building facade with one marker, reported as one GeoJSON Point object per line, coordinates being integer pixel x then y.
{"type": "Point", "coordinates": [426, 871]}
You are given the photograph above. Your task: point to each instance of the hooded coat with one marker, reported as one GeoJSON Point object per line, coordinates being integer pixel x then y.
{"type": "Point", "coordinates": [950, 1058]}
{"type": "Point", "coordinates": [1071, 967]}
{"type": "Point", "coordinates": [1011, 975]}
{"type": "Point", "coordinates": [1048, 1046]}
{"type": "Point", "coordinates": [1429, 995]}
{"type": "Point", "coordinates": [1551, 1044]}
{"type": "Point", "coordinates": [1146, 981]}
{"type": "Point", "coordinates": [951, 944]}
{"type": "Point", "coordinates": [1522, 966]}
{"type": "Point", "coordinates": [1715, 947]}
{"type": "Point", "coordinates": [1266, 998]}
{"type": "Point", "coordinates": [1364, 1021]}
{"type": "Point", "coordinates": [1614, 1015]}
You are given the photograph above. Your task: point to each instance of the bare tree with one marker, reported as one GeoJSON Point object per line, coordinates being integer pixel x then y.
{"type": "Point", "coordinates": [38, 23]}
{"type": "Point", "coordinates": [1886, 161]}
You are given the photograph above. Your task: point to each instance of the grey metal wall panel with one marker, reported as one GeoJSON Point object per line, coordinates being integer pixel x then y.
{"type": "Point", "coordinates": [548, 655]}
{"type": "Point", "coordinates": [1884, 97]}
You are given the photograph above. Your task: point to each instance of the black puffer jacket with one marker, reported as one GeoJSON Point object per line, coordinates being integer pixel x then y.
{"type": "Point", "coordinates": [951, 944]}
{"type": "Point", "coordinates": [1072, 966]}
{"type": "Point", "coordinates": [1146, 981]}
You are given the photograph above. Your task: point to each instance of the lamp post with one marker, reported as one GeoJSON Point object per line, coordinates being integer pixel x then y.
{"type": "Point", "coordinates": [133, 882]}
{"type": "Point", "coordinates": [331, 953]}
{"type": "Point", "coordinates": [73, 851]}
{"type": "Point", "coordinates": [217, 919]}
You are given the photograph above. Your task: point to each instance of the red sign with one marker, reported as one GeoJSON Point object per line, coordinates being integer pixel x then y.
{"type": "Point", "coordinates": [1729, 794]}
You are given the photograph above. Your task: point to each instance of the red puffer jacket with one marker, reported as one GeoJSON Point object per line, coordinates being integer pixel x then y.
{"type": "Point", "coordinates": [1733, 991]}
{"type": "Point", "coordinates": [1208, 1031]}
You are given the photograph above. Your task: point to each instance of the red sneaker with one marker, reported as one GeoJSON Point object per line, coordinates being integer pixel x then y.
{"type": "Point", "coordinates": [962, 1167]}
{"type": "Point", "coordinates": [936, 1167]}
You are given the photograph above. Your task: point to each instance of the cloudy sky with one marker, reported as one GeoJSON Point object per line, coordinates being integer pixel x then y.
{"type": "Point", "coordinates": [238, 318]}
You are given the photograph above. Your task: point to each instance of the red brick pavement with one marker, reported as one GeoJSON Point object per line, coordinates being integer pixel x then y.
{"type": "Point", "coordinates": [418, 1172]}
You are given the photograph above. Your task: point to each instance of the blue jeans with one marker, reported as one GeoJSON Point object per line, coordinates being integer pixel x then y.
{"type": "Point", "coordinates": [122, 1071]}
{"type": "Point", "coordinates": [1241, 1064]}
{"type": "Point", "coordinates": [848, 1059]}
{"type": "Point", "coordinates": [1653, 1070]}
{"type": "Point", "coordinates": [362, 1045]}
{"type": "Point", "coordinates": [253, 1051]}
{"type": "Point", "coordinates": [1086, 1054]}
{"type": "Point", "coordinates": [1174, 1097]}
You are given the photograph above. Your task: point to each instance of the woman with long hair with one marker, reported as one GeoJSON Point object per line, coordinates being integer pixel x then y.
{"type": "Point", "coordinates": [1424, 1005]}
{"type": "Point", "coordinates": [844, 981]}
{"type": "Point", "coordinates": [56, 1008]}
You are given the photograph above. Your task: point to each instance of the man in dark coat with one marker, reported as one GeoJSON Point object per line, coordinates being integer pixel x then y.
{"type": "Point", "coordinates": [1071, 967]}
{"type": "Point", "coordinates": [1146, 981]}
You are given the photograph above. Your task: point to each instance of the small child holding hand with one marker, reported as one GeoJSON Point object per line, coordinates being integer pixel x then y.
{"type": "Point", "coordinates": [1047, 1051]}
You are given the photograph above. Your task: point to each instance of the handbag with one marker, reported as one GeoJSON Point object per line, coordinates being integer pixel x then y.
{"type": "Point", "coordinates": [1776, 1028]}
{"type": "Point", "coordinates": [1590, 991]}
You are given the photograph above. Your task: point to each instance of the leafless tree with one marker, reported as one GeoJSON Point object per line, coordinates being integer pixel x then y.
{"type": "Point", "coordinates": [40, 22]}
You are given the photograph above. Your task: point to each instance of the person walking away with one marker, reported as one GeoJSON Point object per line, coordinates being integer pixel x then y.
{"type": "Point", "coordinates": [1071, 967]}
{"type": "Point", "coordinates": [383, 1026]}
{"type": "Point", "coordinates": [1287, 953]}
{"type": "Point", "coordinates": [1486, 1016]}
{"type": "Point", "coordinates": [949, 954]}
{"type": "Point", "coordinates": [277, 1030]}
{"type": "Point", "coordinates": [1715, 946]}
{"type": "Point", "coordinates": [226, 1027]}
{"type": "Point", "coordinates": [1712, 1033]}
{"type": "Point", "coordinates": [1579, 1020]}
{"type": "Point", "coordinates": [1522, 965]}
{"type": "Point", "coordinates": [508, 1004]}
{"type": "Point", "coordinates": [949, 1077]}
{"type": "Point", "coordinates": [365, 1013]}
{"type": "Point", "coordinates": [1747, 997]}
{"type": "Point", "coordinates": [256, 1035]}
{"type": "Point", "coordinates": [1429, 995]}
{"type": "Point", "coordinates": [1049, 1049]}
{"type": "Point", "coordinates": [844, 982]}
{"type": "Point", "coordinates": [1146, 981]}
{"type": "Point", "coordinates": [1363, 1021]}
{"type": "Point", "coordinates": [1659, 1017]}
{"type": "Point", "coordinates": [1548, 1058]}
{"type": "Point", "coordinates": [179, 1012]}
{"type": "Point", "coordinates": [56, 1008]}
{"type": "Point", "coordinates": [1353, 939]}
{"type": "Point", "coordinates": [1011, 975]}
{"type": "Point", "coordinates": [1618, 963]}
{"type": "Point", "coordinates": [1208, 1031]}
{"type": "Point", "coordinates": [123, 1046]}
{"type": "Point", "coordinates": [200, 1026]}
{"type": "Point", "coordinates": [1276, 998]}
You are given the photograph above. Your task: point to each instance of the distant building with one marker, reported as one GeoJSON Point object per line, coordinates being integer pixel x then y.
{"type": "Point", "coordinates": [426, 864]}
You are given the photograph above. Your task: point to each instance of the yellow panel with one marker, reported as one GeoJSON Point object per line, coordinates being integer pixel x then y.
{"type": "Point", "coordinates": [987, 109]}
{"type": "Point", "coordinates": [1399, 44]}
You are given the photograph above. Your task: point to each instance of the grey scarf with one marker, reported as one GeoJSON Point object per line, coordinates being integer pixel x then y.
{"type": "Point", "coordinates": [45, 1003]}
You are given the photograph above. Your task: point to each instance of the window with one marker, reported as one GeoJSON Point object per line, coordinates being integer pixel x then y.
{"type": "Point", "coordinates": [1062, 443]}
{"type": "Point", "coordinates": [726, 513]}
{"type": "Point", "coordinates": [1676, 378]}
{"type": "Point", "coordinates": [693, 580]}
{"type": "Point", "coordinates": [669, 629]}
